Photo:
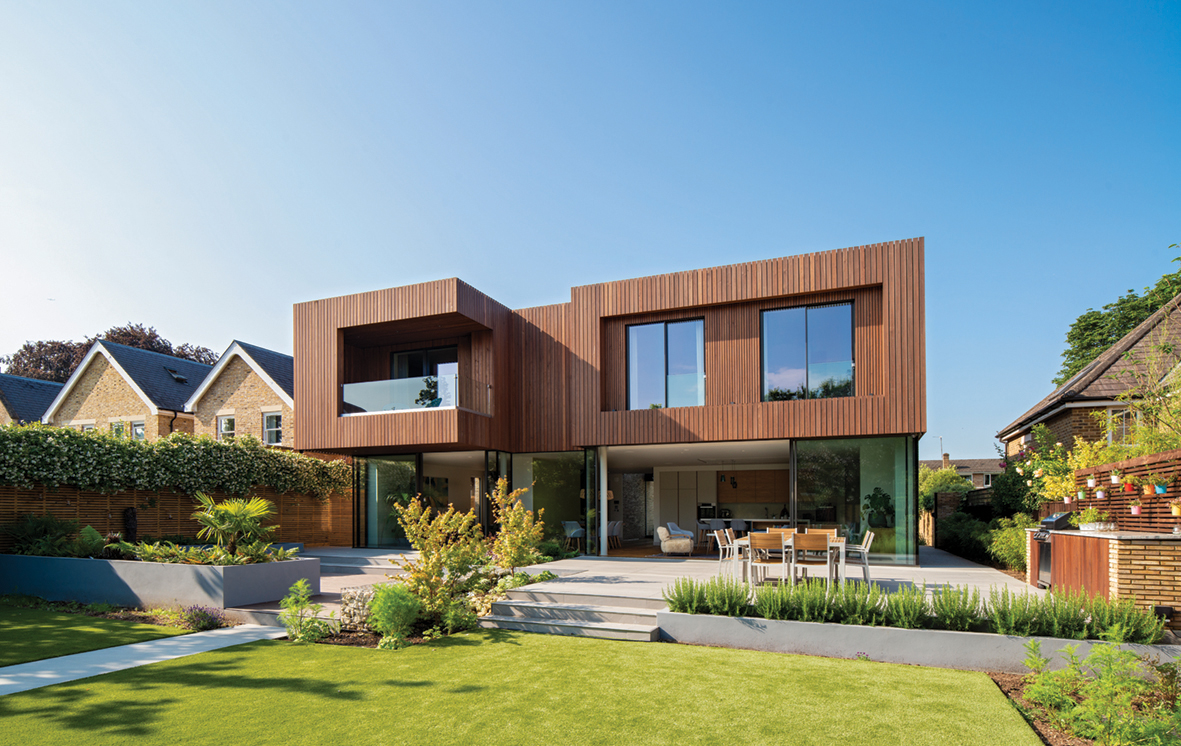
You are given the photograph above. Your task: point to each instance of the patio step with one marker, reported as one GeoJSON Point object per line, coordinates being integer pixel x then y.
{"type": "Point", "coordinates": [580, 614]}
{"type": "Point", "coordinates": [605, 630]}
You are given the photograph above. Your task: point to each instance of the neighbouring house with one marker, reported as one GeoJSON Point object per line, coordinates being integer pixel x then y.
{"type": "Point", "coordinates": [1087, 404]}
{"type": "Point", "coordinates": [129, 392]}
{"type": "Point", "coordinates": [25, 399]}
{"type": "Point", "coordinates": [249, 391]}
{"type": "Point", "coordinates": [789, 390]}
{"type": "Point", "coordinates": [979, 471]}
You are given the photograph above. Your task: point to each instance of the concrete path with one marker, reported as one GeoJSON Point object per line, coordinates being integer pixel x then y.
{"type": "Point", "coordinates": [25, 676]}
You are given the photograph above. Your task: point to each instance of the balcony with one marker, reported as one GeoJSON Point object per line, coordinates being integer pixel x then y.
{"type": "Point", "coordinates": [405, 394]}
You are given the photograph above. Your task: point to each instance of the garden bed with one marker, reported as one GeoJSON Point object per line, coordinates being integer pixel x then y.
{"type": "Point", "coordinates": [148, 584]}
{"type": "Point", "coordinates": [970, 651]}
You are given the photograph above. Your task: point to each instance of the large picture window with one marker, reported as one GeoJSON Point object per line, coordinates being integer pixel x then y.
{"type": "Point", "coordinates": [808, 352]}
{"type": "Point", "coordinates": [666, 365]}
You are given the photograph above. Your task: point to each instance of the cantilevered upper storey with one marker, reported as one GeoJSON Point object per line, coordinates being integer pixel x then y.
{"type": "Point", "coordinates": [822, 345]}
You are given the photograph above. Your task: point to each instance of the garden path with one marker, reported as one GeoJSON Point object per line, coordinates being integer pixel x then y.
{"type": "Point", "coordinates": [25, 676]}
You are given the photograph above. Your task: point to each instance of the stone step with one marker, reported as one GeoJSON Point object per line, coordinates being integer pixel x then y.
{"type": "Point", "coordinates": [603, 630]}
{"type": "Point", "coordinates": [534, 611]}
{"type": "Point", "coordinates": [332, 567]}
{"type": "Point", "coordinates": [584, 599]}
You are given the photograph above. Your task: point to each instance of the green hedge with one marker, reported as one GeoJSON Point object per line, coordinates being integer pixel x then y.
{"type": "Point", "coordinates": [35, 454]}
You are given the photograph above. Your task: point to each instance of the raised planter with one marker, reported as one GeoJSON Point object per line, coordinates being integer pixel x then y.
{"type": "Point", "coordinates": [146, 584]}
{"type": "Point", "coordinates": [970, 651]}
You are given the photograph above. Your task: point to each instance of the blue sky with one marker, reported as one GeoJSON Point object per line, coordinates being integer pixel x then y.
{"type": "Point", "coordinates": [200, 167]}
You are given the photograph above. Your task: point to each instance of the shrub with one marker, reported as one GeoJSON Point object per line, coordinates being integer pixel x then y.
{"type": "Point", "coordinates": [812, 600]}
{"type": "Point", "coordinates": [1007, 540]}
{"type": "Point", "coordinates": [725, 596]}
{"type": "Point", "coordinates": [932, 481]}
{"type": "Point", "coordinates": [961, 534]}
{"type": "Point", "coordinates": [1120, 621]}
{"type": "Point", "coordinates": [233, 520]}
{"type": "Point", "coordinates": [957, 608]}
{"type": "Point", "coordinates": [1063, 615]}
{"type": "Point", "coordinates": [860, 603]}
{"type": "Point", "coordinates": [907, 607]}
{"type": "Point", "coordinates": [300, 615]}
{"type": "Point", "coordinates": [40, 534]}
{"type": "Point", "coordinates": [40, 455]}
{"type": "Point", "coordinates": [393, 610]}
{"type": "Point", "coordinates": [201, 618]}
{"type": "Point", "coordinates": [459, 617]}
{"type": "Point", "coordinates": [1013, 614]}
{"type": "Point", "coordinates": [450, 548]}
{"type": "Point", "coordinates": [775, 601]}
{"type": "Point", "coordinates": [520, 533]}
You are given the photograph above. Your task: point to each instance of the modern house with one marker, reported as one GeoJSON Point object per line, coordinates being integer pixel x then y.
{"type": "Point", "coordinates": [248, 392]}
{"type": "Point", "coordinates": [25, 399]}
{"type": "Point", "coordinates": [1089, 406]}
{"type": "Point", "coordinates": [791, 389]}
{"type": "Point", "coordinates": [127, 391]}
{"type": "Point", "coordinates": [979, 471]}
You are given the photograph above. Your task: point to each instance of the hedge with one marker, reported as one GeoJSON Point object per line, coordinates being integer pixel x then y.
{"type": "Point", "coordinates": [40, 455]}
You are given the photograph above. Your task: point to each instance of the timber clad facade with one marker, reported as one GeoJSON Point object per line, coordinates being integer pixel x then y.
{"type": "Point", "coordinates": [639, 401]}
{"type": "Point", "coordinates": [553, 378]}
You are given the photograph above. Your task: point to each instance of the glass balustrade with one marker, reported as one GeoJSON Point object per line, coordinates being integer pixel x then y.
{"type": "Point", "coordinates": [429, 392]}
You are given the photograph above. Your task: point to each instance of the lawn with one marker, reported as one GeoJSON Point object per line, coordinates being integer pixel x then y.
{"type": "Point", "coordinates": [34, 634]}
{"type": "Point", "coordinates": [496, 687]}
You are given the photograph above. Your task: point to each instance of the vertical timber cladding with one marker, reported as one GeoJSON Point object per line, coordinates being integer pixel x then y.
{"type": "Point", "coordinates": [328, 333]}
{"type": "Point", "coordinates": [885, 281]}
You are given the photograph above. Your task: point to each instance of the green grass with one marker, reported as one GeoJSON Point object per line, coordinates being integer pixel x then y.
{"type": "Point", "coordinates": [516, 688]}
{"type": "Point", "coordinates": [34, 634]}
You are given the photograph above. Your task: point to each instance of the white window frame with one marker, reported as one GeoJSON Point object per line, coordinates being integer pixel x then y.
{"type": "Point", "coordinates": [1123, 413]}
{"type": "Point", "coordinates": [267, 431]}
{"type": "Point", "coordinates": [143, 431]}
{"type": "Point", "coordinates": [118, 429]}
{"type": "Point", "coordinates": [87, 427]}
{"type": "Point", "coordinates": [222, 433]}
{"type": "Point", "coordinates": [987, 480]}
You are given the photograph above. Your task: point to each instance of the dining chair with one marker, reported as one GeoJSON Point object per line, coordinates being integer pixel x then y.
{"type": "Point", "coordinates": [767, 550]}
{"type": "Point", "coordinates": [615, 533]}
{"type": "Point", "coordinates": [715, 525]}
{"type": "Point", "coordinates": [726, 550]}
{"type": "Point", "coordinates": [574, 533]}
{"type": "Point", "coordinates": [859, 553]}
{"type": "Point", "coordinates": [739, 526]}
{"type": "Point", "coordinates": [703, 530]}
{"type": "Point", "coordinates": [814, 549]}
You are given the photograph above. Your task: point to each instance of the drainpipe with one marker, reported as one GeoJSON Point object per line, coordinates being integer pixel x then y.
{"type": "Point", "coordinates": [175, 414]}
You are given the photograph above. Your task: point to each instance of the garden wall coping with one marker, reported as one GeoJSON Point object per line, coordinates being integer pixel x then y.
{"type": "Point", "coordinates": [148, 584]}
{"type": "Point", "coordinates": [970, 651]}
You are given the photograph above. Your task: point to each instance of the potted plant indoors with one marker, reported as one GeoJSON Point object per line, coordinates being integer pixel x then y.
{"type": "Point", "coordinates": [878, 508]}
{"type": "Point", "coordinates": [1134, 504]}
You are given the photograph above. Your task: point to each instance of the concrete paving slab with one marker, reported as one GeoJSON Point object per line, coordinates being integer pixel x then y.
{"type": "Point", "coordinates": [25, 676]}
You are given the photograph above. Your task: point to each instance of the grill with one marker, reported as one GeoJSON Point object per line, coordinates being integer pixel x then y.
{"type": "Point", "coordinates": [1056, 522]}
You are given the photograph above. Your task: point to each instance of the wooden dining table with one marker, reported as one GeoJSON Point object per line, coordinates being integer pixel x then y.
{"type": "Point", "coordinates": [838, 542]}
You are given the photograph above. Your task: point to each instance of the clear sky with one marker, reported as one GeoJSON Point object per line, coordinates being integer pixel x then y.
{"type": "Point", "coordinates": [199, 167]}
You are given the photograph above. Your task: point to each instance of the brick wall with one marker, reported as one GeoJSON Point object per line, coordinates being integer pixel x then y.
{"type": "Point", "coordinates": [1065, 426]}
{"type": "Point", "coordinates": [5, 417]}
{"type": "Point", "coordinates": [300, 518]}
{"type": "Point", "coordinates": [1146, 570]}
{"type": "Point", "coordinates": [241, 392]}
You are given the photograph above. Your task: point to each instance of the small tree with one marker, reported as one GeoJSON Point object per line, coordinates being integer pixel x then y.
{"type": "Point", "coordinates": [450, 546]}
{"type": "Point", "coordinates": [520, 531]}
{"type": "Point", "coordinates": [233, 520]}
{"type": "Point", "coordinates": [946, 479]}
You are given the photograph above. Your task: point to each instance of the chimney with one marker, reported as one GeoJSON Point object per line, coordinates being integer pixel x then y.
{"type": "Point", "coordinates": [946, 460]}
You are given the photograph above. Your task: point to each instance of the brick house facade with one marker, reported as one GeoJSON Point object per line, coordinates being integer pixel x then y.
{"type": "Point", "coordinates": [124, 389]}
{"type": "Point", "coordinates": [250, 387]}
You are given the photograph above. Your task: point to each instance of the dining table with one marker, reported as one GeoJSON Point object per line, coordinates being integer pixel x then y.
{"type": "Point", "coordinates": [839, 544]}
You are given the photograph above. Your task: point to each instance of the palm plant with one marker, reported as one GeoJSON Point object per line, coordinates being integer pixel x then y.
{"type": "Point", "coordinates": [233, 520]}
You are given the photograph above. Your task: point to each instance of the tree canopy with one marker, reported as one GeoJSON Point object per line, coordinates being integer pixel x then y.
{"type": "Point", "coordinates": [55, 360]}
{"type": "Point", "coordinates": [1095, 331]}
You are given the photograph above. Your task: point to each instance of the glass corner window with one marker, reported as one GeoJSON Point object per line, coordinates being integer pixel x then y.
{"type": "Point", "coordinates": [666, 365]}
{"type": "Point", "coordinates": [808, 352]}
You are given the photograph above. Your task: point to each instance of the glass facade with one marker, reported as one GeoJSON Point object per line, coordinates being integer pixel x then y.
{"type": "Point", "coordinates": [808, 352]}
{"type": "Point", "coordinates": [554, 484]}
{"type": "Point", "coordinates": [385, 481]}
{"type": "Point", "coordinates": [861, 484]}
{"type": "Point", "coordinates": [666, 365]}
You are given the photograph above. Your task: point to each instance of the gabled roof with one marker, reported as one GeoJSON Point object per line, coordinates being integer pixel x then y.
{"type": "Point", "coordinates": [162, 381]}
{"type": "Point", "coordinates": [1103, 379]}
{"type": "Point", "coordinates": [26, 399]}
{"type": "Point", "coordinates": [274, 368]}
{"type": "Point", "coordinates": [968, 465]}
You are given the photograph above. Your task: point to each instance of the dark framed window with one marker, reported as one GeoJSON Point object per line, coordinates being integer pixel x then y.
{"type": "Point", "coordinates": [807, 352]}
{"type": "Point", "coordinates": [666, 364]}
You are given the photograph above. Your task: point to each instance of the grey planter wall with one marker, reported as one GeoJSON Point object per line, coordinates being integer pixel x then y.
{"type": "Point", "coordinates": [131, 583]}
{"type": "Point", "coordinates": [971, 651]}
